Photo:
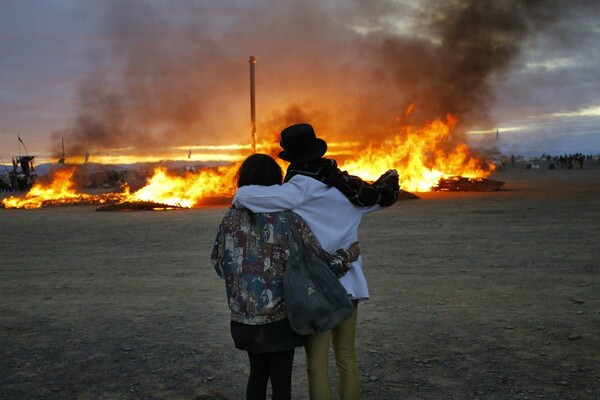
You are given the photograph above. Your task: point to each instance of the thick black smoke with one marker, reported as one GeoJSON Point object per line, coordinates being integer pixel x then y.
{"type": "Point", "coordinates": [176, 73]}
{"type": "Point", "coordinates": [474, 43]}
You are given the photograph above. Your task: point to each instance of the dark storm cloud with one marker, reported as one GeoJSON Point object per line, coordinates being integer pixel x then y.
{"type": "Point", "coordinates": [469, 45]}
{"type": "Point", "coordinates": [176, 73]}
{"type": "Point", "coordinates": [558, 70]}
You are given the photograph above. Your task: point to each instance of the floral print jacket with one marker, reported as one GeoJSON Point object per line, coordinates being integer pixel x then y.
{"type": "Point", "coordinates": [250, 252]}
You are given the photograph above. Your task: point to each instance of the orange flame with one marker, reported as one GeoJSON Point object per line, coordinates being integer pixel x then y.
{"type": "Point", "coordinates": [422, 157]}
{"type": "Point", "coordinates": [419, 157]}
{"type": "Point", "coordinates": [59, 191]}
{"type": "Point", "coordinates": [190, 190]}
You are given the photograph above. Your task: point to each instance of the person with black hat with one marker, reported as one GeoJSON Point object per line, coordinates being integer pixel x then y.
{"type": "Point", "coordinates": [332, 203]}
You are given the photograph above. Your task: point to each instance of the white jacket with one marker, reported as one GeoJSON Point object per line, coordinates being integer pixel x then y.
{"type": "Point", "coordinates": [331, 216]}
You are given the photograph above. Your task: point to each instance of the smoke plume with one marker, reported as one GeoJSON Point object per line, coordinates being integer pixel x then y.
{"type": "Point", "coordinates": [176, 73]}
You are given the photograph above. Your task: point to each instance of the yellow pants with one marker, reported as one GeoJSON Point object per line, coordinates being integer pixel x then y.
{"type": "Point", "coordinates": [343, 338]}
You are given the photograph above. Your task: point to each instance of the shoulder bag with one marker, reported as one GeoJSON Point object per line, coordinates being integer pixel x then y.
{"type": "Point", "coordinates": [314, 297]}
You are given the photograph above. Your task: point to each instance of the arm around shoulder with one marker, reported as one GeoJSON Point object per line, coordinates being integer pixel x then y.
{"type": "Point", "coordinates": [258, 198]}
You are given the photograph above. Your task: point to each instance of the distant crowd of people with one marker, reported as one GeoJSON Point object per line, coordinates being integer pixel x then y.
{"type": "Point", "coordinates": [568, 161]}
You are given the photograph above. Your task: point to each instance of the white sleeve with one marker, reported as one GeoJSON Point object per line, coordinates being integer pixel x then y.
{"type": "Point", "coordinates": [258, 198]}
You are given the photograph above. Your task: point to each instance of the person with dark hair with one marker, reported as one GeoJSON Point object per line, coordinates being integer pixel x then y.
{"type": "Point", "coordinates": [332, 203]}
{"type": "Point", "coordinates": [250, 252]}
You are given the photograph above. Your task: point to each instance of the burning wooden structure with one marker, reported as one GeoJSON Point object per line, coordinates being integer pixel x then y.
{"type": "Point", "coordinates": [462, 184]}
{"type": "Point", "coordinates": [156, 206]}
{"type": "Point", "coordinates": [139, 206]}
{"type": "Point", "coordinates": [23, 175]}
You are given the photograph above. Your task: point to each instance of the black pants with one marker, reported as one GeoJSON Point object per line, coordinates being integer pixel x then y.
{"type": "Point", "coordinates": [275, 366]}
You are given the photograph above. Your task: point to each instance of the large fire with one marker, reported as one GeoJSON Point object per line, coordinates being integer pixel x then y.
{"type": "Point", "coordinates": [60, 190]}
{"type": "Point", "coordinates": [190, 190]}
{"type": "Point", "coordinates": [186, 191]}
{"type": "Point", "coordinates": [421, 157]}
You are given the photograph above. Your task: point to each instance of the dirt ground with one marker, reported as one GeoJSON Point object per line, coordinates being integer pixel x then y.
{"type": "Point", "coordinates": [473, 296]}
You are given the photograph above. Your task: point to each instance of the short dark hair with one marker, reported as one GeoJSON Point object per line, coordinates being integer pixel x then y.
{"type": "Point", "coordinates": [259, 169]}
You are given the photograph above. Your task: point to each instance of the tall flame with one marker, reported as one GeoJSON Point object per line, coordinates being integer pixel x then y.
{"type": "Point", "coordinates": [422, 157]}
{"type": "Point", "coordinates": [189, 190]}
{"type": "Point", "coordinates": [419, 157]}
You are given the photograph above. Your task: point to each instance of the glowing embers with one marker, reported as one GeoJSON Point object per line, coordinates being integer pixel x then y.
{"type": "Point", "coordinates": [462, 184]}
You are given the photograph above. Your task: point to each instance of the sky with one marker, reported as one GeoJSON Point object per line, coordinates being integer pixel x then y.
{"type": "Point", "coordinates": [164, 77]}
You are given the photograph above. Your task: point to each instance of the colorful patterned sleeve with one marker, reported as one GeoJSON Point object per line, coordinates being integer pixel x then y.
{"type": "Point", "coordinates": [218, 251]}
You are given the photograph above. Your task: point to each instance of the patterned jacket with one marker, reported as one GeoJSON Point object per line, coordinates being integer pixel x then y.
{"type": "Point", "coordinates": [251, 251]}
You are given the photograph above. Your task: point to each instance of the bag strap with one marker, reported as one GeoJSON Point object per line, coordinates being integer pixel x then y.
{"type": "Point", "coordinates": [294, 237]}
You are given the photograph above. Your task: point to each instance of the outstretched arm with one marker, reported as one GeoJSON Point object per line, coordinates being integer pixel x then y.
{"type": "Point", "coordinates": [388, 187]}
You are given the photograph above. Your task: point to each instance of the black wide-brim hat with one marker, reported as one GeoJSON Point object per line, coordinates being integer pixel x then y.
{"type": "Point", "coordinates": [300, 144]}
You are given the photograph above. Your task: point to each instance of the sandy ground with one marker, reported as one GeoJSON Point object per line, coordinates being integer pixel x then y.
{"type": "Point", "coordinates": [473, 296]}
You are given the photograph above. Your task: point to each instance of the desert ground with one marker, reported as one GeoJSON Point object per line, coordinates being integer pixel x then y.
{"type": "Point", "coordinates": [474, 295]}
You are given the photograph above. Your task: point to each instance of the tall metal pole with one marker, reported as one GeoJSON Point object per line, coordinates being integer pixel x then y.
{"type": "Point", "coordinates": [252, 61]}
{"type": "Point", "coordinates": [62, 160]}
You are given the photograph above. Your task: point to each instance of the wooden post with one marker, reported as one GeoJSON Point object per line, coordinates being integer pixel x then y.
{"type": "Point", "coordinates": [252, 61]}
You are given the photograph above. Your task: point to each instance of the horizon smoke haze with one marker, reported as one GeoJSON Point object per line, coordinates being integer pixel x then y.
{"type": "Point", "coordinates": [176, 73]}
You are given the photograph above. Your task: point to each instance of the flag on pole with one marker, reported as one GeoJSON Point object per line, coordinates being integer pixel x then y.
{"type": "Point", "coordinates": [25, 147]}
